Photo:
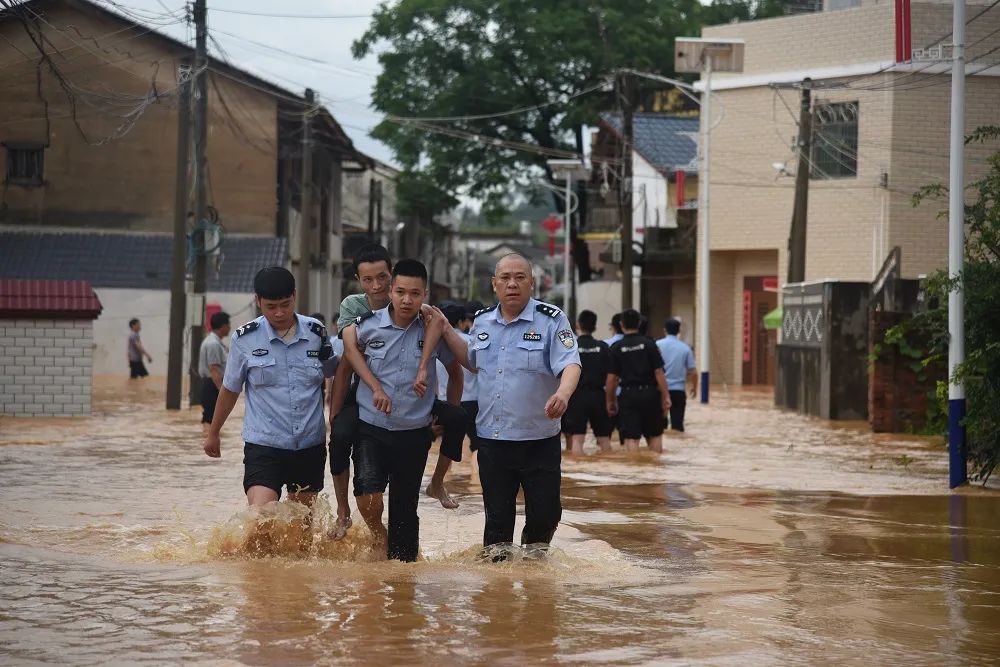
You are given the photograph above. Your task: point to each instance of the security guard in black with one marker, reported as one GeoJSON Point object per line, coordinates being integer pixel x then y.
{"type": "Point", "coordinates": [636, 362]}
{"type": "Point", "coordinates": [587, 403]}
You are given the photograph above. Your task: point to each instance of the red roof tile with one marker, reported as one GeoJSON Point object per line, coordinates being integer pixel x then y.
{"type": "Point", "coordinates": [55, 299]}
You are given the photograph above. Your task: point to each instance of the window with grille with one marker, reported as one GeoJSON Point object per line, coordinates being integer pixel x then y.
{"type": "Point", "coordinates": [835, 141]}
{"type": "Point", "coordinates": [25, 163]}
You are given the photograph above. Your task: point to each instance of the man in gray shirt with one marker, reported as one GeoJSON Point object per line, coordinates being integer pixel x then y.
{"type": "Point", "coordinates": [212, 364]}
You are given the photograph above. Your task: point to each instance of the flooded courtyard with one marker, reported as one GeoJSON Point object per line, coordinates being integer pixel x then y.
{"type": "Point", "coordinates": [759, 537]}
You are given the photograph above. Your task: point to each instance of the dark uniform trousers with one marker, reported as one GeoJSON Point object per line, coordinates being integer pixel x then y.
{"type": "Point", "coordinates": [344, 431]}
{"type": "Point", "coordinates": [508, 465]}
{"type": "Point", "coordinates": [678, 403]}
{"type": "Point", "coordinates": [395, 459]}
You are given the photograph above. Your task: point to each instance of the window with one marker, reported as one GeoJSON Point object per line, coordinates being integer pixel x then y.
{"type": "Point", "coordinates": [835, 141]}
{"type": "Point", "coordinates": [25, 164]}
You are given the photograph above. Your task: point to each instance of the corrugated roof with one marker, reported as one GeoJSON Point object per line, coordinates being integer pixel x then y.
{"type": "Point", "coordinates": [667, 142]}
{"type": "Point", "coordinates": [129, 260]}
{"type": "Point", "coordinates": [49, 298]}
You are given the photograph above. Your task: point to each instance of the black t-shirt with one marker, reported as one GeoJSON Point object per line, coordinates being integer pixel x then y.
{"type": "Point", "coordinates": [595, 359]}
{"type": "Point", "coordinates": [634, 359]}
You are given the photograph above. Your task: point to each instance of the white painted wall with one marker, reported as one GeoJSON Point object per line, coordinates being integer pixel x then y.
{"type": "Point", "coordinates": [650, 198]}
{"type": "Point", "coordinates": [152, 307]}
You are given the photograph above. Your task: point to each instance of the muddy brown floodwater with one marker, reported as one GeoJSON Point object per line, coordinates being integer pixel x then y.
{"type": "Point", "coordinates": [758, 538]}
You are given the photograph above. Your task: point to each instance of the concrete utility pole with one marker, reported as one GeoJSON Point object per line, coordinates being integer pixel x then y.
{"type": "Point", "coordinates": [626, 95]}
{"type": "Point", "coordinates": [957, 468]}
{"type": "Point", "coordinates": [704, 246]}
{"type": "Point", "coordinates": [305, 218]}
{"type": "Point", "coordinates": [371, 209]}
{"type": "Point", "coordinates": [178, 307]}
{"type": "Point", "coordinates": [200, 194]}
{"type": "Point", "coordinates": [800, 211]}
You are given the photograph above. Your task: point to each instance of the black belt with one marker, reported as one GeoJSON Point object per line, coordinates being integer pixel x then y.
{"type": "Point", "coordinates": [638, 386]}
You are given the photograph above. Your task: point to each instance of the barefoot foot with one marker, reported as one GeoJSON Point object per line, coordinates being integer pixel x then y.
{"type": "Point", "coordinates": [441, 493]}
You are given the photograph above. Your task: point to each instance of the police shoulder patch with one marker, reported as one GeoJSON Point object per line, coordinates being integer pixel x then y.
{"type": "Point", "coordinates": [484, 310]}
{"type": "Point", "coordinates": [546, 309]}
{"type": "Point", "coordinates": [566, 338]}
{"type": "Point", "coordinates": [252, 325]}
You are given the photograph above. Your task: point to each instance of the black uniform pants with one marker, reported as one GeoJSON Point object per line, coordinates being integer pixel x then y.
{"type": "Point", "coordinates": [508, 465]}
{"type": "Point", "coordinates": [209, 396]}
{"type": "Point", "coordinates": [394, 459]}
{"type": "Point", "coordinates": [678, 403]}
{"type": "Point", "coordinates": [453, 419]}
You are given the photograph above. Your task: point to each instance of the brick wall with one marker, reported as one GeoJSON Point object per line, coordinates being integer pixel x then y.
{"type": "Point", "coordinates": [46, 367]}
{"type": "Point", "coordinates": [898, 399]}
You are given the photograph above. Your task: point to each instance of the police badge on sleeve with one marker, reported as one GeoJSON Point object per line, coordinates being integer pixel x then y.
{"type": "Point", "coordinates": [567, 338]}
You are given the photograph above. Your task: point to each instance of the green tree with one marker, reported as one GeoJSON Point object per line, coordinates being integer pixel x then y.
{"type": "Point", "coordinates": [470, 58]}
{"type": "Point", "coordinates": [980, 280]}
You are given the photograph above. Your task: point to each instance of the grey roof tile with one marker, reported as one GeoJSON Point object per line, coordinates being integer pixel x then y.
{"type": "Point", "coordinates": [129, 260]}
{"type": "Point", "coordinates": [668, 142]}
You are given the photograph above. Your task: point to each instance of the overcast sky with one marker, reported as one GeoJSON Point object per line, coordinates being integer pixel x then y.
{"type": "Point", "coordinates": [344, 84]}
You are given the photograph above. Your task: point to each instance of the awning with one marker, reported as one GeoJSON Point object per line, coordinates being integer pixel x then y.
{"type": "Point", "coordinates": [774, 319]}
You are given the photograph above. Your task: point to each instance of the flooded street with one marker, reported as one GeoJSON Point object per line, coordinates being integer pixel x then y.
{"type": "Point", "coordinates": [760, 537]}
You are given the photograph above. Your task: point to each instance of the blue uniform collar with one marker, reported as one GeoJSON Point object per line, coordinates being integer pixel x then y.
{"type": "Point", "coordinates": [385, 319]}
{"type": "Point", "coordinates": [528, 314]}
{"type": "Point", "coordinates": [272, 335]}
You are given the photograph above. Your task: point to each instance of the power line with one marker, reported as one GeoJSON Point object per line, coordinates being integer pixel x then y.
{"type": "Point", "coordinates": [244, 12]}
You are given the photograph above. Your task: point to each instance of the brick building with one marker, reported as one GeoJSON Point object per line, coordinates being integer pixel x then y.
{"type": "Point", "coordinates": [46, 347]}
{"type": "Point", "coordinates": [89, 138]}
{"type": "Point", "coordinates": [881, 131]}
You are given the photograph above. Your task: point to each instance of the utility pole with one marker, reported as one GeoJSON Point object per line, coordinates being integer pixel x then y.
{"type": "Point", "coordinates": [957, 468]}
{"type": "Point", "coordinates": [626, 95]}
{"type": "Point", "coordinates": [371, 209]}
{"type": "Point", "coordinates": [378, 211]}
{"type": "Point", "coordinates": [200, 199]}
{"type": "Point", "coordinates": [305, 219]}
{"type": "Point", "coordinates": [178, 308]}
{"type": "Point", "coordinates": [800, 212]}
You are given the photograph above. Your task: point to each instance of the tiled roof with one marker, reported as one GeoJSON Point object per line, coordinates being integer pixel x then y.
{"type": "Point", "coordinates": [50, 298]}
{"type": "Point", "coordinates": [129, 260]}
{"type": "Point", "coordinates": [667, 142]}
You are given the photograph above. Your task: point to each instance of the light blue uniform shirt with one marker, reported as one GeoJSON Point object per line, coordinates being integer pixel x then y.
{"type": "Point", "coordinates": [614, 339]}
{"type": "Point", "coordinates": [284, 403]}
{"type": "Point", "coordinates": [519, 364]}
{"type": "Point", "coordinates": [393, 355]}
{"type": "Point", "coordinates": [677, 360]}
{"type": "Point", "coordinates": [469, 387]}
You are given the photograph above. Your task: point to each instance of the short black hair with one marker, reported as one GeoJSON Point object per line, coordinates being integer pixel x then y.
{"type": "Point", "coordinates": [616, 322]}
{"type": "Point", "coordinates": [673, 326]}
{"type": "Point", "coordinates": [473, 307]}
{"type": "Point", "coordinates": [319, 316]}
{"type": "Point", "coordinates": [410, 268]}
{"type": "Point", "coordinates": [132, 322]}
{"type": "Point", "coordinates": [643, 325]}
{"type": "Point", "coordinates": [274, 282]}
{"type": "Point", "coordinates": [587, 321]}
{"type": "Point", "coordinates": [455, 312]}
{"type": "Point", "coordinates": [219, 320]}
{"type": "Point", "coordinates": [631, 319]}
{"type": "Point", "coordinates": [371, 253]}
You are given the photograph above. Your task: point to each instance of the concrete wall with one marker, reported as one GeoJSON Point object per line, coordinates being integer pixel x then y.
{"type": "Point", "coordinates": [46, 367]}
{"type": "Point", "coordinates": [903, 126]}
{"type": "Point", "coordinates": [127, 182]}
{"type": "Point", "coordinates": [152, 307]}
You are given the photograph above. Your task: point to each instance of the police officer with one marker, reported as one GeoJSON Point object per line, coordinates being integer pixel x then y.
{"type": "Point", "coordinates": [528, 366]}
{"type": "Point", "coordinates": [637, 364]}
{"type": "Point", "coordinates": [394, 435]}
{"type": "Point", "coordinates": [281, 359]}
{"type": "Point", "coordinates": [587, 402]}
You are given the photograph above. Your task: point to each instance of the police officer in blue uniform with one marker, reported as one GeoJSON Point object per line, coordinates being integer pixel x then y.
{"type": "Point", "coordinates": [281, 359]}
{"type": "Point", "coordinates": [528, 365]}
{"type": "Point", "coordinates": [385, 348]}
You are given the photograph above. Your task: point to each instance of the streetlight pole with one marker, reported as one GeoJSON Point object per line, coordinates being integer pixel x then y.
{"type": "Point", "coordinates": [567, 276]}
{"type": "Point", "coordinates": [697, 54]}
{"type": "Point", "coordinates": [957, 473]}
{"type": "Point", "coordinates": [704, 310]}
